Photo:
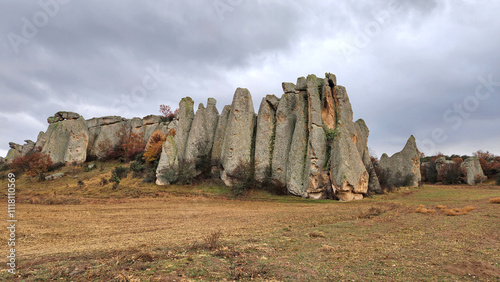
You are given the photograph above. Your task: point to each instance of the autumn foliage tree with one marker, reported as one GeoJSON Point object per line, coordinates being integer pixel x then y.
{"type": "Point", "coordinates": [154, 148]}
{"type": "Point", "coordinates": [489, 162]}
{"type": "Point", "coordinates": [132, 144]}
{"type": "Point", "coordinates": [129, 145]}
{"type": "Point", "coordinates": [166, 111]}
{"type": "Point", "coordinates": [33, 164]}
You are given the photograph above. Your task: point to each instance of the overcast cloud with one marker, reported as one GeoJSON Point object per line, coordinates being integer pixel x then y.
{"type": "Point", "coordinates": [428, 68]}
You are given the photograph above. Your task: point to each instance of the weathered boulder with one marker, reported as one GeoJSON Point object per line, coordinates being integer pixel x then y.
{"type": "Point", "coordinates": [54, 176]}
{"type": "Point", "coordinates": [201, 135]}
{"type": "Point", "coordinates": [295, 170]}
{"type": "Point", "coordinates": [64, 115]}
{"type": "Point", "coordinates": [28, 147]}
{"type": "Point", "coordinates": [103, 134]}
{"type": "Point", "coordinates": [362, 133]}
{"type": "Point", "coordinates": [473, 171]}
{"type": "Point", "coordinates": [185, 119]}
{"type": "Point", "coordinates": [14, 152]}
{"type": "Point", "coordinates": [317, 183]}
{"type": "Point", "coordinates": [152, 119]}
{"type": "Point", "coordinates": [67, 141]}
{"type": "Point", "coordinates": [106, 137]}
{"type": "Point", "coordinates": [237, 152]}
{"type": "Point", "coordinates": [285, 124]}
{"type": "Point", "coordinates": [168, 165]}
{"type": "Point", "coordinates": [264, 137]}
{"type": "Point", "coordinates": [347, 170]}
{"type": "Point", "coordinates": [220, 132]}
{"type": "Point", "coordinates": [288, 87]}
{"type": "Point", "coordinates": [442, 161]}
{"type": "Point", "coordinates": [403, 168]}
{"type": "Point", "coordinates": [301, 84]}
{"type": "Point", "coordinates": [211, 122]}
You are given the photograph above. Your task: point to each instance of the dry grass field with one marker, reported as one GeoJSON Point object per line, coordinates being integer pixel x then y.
{"type": "Point", "coordinates": [142, 232]}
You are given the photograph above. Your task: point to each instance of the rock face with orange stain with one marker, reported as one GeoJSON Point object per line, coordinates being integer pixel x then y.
{"type": "Point", "coordinates": [66, 141]}
{"type": "Point", "coordinates": [403, 168]}
{"type": "Point", "coordinates": [347, 170]}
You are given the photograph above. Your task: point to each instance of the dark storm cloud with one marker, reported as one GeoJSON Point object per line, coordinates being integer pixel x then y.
{"type": "Point", "coordinates": [417, 60]}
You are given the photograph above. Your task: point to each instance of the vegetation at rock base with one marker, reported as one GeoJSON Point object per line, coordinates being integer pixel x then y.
{"type": "Point", "coordinates": [33, 164]}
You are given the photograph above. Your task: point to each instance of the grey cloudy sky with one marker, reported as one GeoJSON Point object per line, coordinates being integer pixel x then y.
{"type": "Point", "coordinates": [428, 68]}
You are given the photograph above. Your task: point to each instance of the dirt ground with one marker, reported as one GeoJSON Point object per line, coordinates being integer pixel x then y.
{"type": "Point", "coordinates": [401, 236]}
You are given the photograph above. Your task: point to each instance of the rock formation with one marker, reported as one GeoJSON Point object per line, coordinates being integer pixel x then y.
{"type": "Point", "coordinates": [403, 168]}
{"type": "Point", "coordinates": [66, 141]}
{"type": "Point", "coordinates": [264, 139]}
{"type": "Point", "coordinates": [237, 146]}
{"type": "Point", "coordinates": [473, 171]}
{"type": "Point", "coordinates": [72, 139]}
{"type": "Point", "coordinates": [306, 141]}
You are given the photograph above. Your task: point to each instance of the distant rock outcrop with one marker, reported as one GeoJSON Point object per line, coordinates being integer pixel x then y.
{"type": "Point", "coordinates": [473, 171]}
{"type": "Point", "coordinates": [403, 168]}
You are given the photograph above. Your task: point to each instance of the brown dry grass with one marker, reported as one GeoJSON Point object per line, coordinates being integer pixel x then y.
{"type": "Point", "coordinates": [424, 210]}
{"type": "Point", "coordinates": [458, 211]}
{"type": "Point", "coordinates": [495, 200]}
{"type": "Point", "coordinates": [327, 248]}
{"type": "Point", "coordinates": [199, 233]}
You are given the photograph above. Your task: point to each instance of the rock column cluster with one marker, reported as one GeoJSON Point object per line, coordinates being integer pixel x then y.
{"type": "Point", "coordinates": [305, 141]}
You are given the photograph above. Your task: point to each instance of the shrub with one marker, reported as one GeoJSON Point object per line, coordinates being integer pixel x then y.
{"type": "Point", "coordinates": [452, 173]}
{"type": "Point", "coordinates": [104, 181]}
{"type": "Point", "coordinates": [498, 179]}
{"type": "Point", "coordinates": [166, 111]}
{"type": "Point", "coordinates": [185, 173]}
{"type": "Point", "coordinates": [33, 164]}
{"type": "Point", "coordinates": [129, 145]}
{"type": "Point", "coordinates": [212, 240]}
{"type": "Point", "coordinates": [120, 172]}
{"type": "Point", "coordinates": [154, 148]}
{"type": "Point", "coordinates": [203, 167]}
{"type": "Point", "coordinates": [150, 176]}
{"type": "Point", "coordinates": [137, 169]}
{"type": "Point", "coordinates": [132, 145]}
{"type": "Point", "coordinates": [429, 171]}
{"type": "Point", "coordinates": [242, 179]}
{"type": "Point", "coordinates": [489, 162]}
{"type": "Point", "coordinates": [4, 167]}
{"type": "Point", "coordinates": [382, 176]}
